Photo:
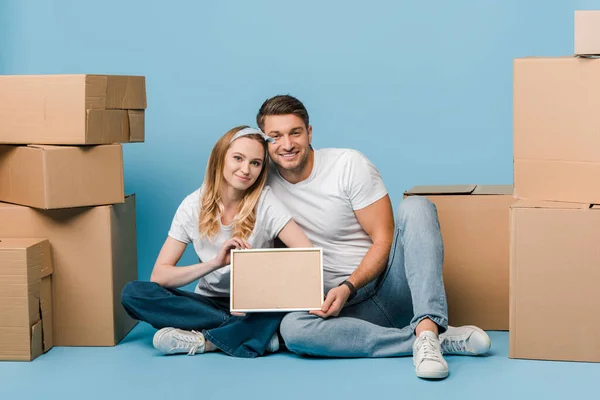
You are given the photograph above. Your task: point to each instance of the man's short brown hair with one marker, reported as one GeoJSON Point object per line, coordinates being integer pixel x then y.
{"type": "Point", "coordinates": [281, 105]}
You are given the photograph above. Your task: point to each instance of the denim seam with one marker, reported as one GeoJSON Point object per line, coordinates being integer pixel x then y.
{"type": "Point", "coordinates": [380, 306]}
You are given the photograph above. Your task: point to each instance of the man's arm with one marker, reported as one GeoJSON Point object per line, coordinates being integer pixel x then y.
{"type": "Point", "coordinates": [377, 219]}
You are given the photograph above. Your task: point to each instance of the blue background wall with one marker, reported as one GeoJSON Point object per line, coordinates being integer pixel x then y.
{"type": "Point", "coordinates": [424, 89]}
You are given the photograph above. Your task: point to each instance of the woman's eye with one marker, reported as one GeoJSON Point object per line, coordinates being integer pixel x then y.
{"type": "Point", "coordinates": [237, 158]}
{"type": "Point", "coordinates": [256, 163]}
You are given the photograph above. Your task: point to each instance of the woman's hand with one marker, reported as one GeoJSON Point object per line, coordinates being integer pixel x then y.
{"type": "Point", "coordinates": [223, 257]}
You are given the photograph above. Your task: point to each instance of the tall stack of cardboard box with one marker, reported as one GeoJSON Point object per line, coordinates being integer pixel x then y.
{"type": "Point", "coordinates": [555, 226]}
{"type": "Point", "coordinates": [61, 183]}
{"type": "Point", "coordinates": [529, 260]}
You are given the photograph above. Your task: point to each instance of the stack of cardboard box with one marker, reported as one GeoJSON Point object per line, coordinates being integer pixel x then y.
{"type": "Point", "coordinates": [529, 260]}
{"type": "Point", "coordinates": [61, 180]}
{"type": "Point", "coordinates": [555, 226]}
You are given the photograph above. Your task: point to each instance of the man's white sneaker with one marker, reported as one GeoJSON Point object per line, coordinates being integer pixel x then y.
{"type": "Point", "coordinates": [427, 357]}
{"type": "Point", "coordinates": [273, 345]}
{"type": "Point", "coordinates": [465, 341]}
{"type": "Point", "coordinates": [174, 341]}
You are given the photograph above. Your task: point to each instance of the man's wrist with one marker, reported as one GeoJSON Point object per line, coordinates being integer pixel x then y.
{"type": "Point", "coordinates": [350, 286]}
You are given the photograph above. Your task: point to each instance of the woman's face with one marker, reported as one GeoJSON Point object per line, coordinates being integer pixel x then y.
{"type": "Point", "coordinates": [243, 163]}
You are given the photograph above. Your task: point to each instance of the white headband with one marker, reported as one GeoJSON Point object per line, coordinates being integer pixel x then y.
{"type": "Point", "coordinates": [252, 131]}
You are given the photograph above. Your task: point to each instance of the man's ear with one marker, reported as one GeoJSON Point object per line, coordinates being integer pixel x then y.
{"type": "Point", "coordinates": [309, 130]}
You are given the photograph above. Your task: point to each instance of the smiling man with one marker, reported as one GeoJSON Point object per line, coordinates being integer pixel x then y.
{"type": "Point", "coordinates": [385, 295]}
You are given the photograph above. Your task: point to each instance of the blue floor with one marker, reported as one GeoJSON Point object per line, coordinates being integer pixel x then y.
{"type": "Point", "coordinates": [134, 370]}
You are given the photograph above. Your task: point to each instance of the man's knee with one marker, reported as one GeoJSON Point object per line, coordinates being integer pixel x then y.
{"type": "Point", "coordinates": [414, 207]}
{"type": "Point", "coordinates": [295, 330]}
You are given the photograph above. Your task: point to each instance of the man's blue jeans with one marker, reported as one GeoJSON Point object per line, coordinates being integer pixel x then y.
{"type": "Point", "coordinates": [237, 336]}
{"type": "Point", "coordinates": [381, 319]}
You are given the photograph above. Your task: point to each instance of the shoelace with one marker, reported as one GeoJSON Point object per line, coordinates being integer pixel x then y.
{"type": "Point", "coordinates": [454, 346]}
{"type": "Point", "coordinates": [428, 348]}
{"type": "Point", "coordinates": [196, 341]}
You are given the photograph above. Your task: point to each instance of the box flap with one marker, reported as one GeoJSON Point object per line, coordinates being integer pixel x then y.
{"type": "Point", "coordinates": [44, 146]}
{"type": "Point", "coordinates": [493, 189]}
{"type": "Point", "coordinates": [136, 125]}
{"type": "Point", "coordinates": [441, 189]}
{"type": "Point", "coordinates": [527, 203]}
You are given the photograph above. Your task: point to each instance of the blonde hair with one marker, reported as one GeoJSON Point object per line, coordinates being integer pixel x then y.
{"type": "Point", "coordinates": [211, 206]}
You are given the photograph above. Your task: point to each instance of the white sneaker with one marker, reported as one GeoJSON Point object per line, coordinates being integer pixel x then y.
{"type": "Point", "coordinates": [465, 341]}
{"type": "Point", "coordinates": [174, 341]}
{"type": "Point", "coordinates": [427, 357]}
{"type": "Point", "coordinates": [273, 345]}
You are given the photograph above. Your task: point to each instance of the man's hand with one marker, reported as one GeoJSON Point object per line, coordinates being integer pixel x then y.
{"type": "Point", "coordinates": [334, 302]}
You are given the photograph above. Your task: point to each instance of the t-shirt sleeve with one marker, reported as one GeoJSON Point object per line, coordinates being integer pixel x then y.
{"type": "Point", "coordinates": [273, 213]}
{"type": "Point", "coordinates": [183, 222]}
{"type": "Point", "coordinates": [362, 181]}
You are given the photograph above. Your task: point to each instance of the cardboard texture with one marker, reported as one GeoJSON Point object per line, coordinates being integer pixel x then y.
{"type": "Point", "coordinates": [25, 298]}
{"type": "Point", "coordinates": [554, 275]}
{"type": "Point", "coordinates": [556, 129]}
{"type": "Point", "coordinates": [94, 252]}
{"type": "Point", "coordinates": [72, 109]}
{"type": "Point", "coordinates": [587, 32]}
{"type": "Point", "coordinates": [474, 225]}
{"type": "Point", "coordinates": [276, 279]}
{"type": "Point", "coordinates": [50, 177]}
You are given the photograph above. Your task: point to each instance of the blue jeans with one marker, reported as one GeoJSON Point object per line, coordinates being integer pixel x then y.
{"type": "Point", "coordinates": [380, 320]}
{"type": "Point", "coordinates": [237, 336]}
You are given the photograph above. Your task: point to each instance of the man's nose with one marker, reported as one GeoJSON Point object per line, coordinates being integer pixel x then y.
{"type": "Point", "coordinates": [287, 143]}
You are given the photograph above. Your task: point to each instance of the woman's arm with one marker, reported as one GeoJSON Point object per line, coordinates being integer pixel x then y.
{"type": "Point", "coordinates": [293, 236]}
{"type": "Point", "coordinates": [167, 275]}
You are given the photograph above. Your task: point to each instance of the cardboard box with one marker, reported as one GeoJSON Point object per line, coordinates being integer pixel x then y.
{"type": "Point", "coordinates": [556, 129]}
{"type": "Point", "coordinates": [587, 32]}
{"type": "Point", "coordinates": [72, 109]}
{"type": "Point", "coordinates": [25, 299]}
{"type": "Point", "coordinates": [474, 224]}
{"type": "Point", "coordinates": [276, 280]}
{"type": "Point", "coordinates": [554, 278]}
{"type": "Point", "coordinates": [50, 177]}
{"type": "Point", "coordinates": [95, 254]}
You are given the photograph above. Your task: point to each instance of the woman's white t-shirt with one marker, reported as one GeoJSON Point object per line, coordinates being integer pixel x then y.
{"type": "Point", "coordinates": [271, 217]}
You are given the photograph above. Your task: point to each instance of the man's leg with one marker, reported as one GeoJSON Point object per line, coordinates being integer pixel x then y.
{"type": "Point", "coordinates": [383, 318]}
{"type": "Point", "coordinates": [415, 268]}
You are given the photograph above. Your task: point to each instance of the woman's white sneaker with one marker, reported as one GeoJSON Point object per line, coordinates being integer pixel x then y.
{"type": "Point", "coordinates": [175, 341]}
{"type": "Point", "coordinates": [273, 345]}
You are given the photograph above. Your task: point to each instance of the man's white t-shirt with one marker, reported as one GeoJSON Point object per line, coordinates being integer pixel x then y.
{"type": "Point", "coordinates": [323, 205]}
{"type": "Point", "coordinates": [271, 218]}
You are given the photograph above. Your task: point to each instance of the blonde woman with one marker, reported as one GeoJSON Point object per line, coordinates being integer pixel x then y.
{"type": "Point", "coordinates": [232, 209]}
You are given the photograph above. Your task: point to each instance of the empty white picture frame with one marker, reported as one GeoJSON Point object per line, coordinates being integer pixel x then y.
{"type": "Point", "coordinates": [276, 280]}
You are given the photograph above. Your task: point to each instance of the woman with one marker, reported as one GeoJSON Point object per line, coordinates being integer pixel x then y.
{"type": "Point", "coordinates": [232, 209]}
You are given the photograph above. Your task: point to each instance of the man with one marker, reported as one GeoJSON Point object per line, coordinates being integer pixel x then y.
{"type": "Point", "coordinates": [384, 289]}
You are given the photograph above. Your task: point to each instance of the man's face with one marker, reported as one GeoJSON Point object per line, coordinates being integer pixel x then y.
{"type": "Point", "coordinates": [292, 140]}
